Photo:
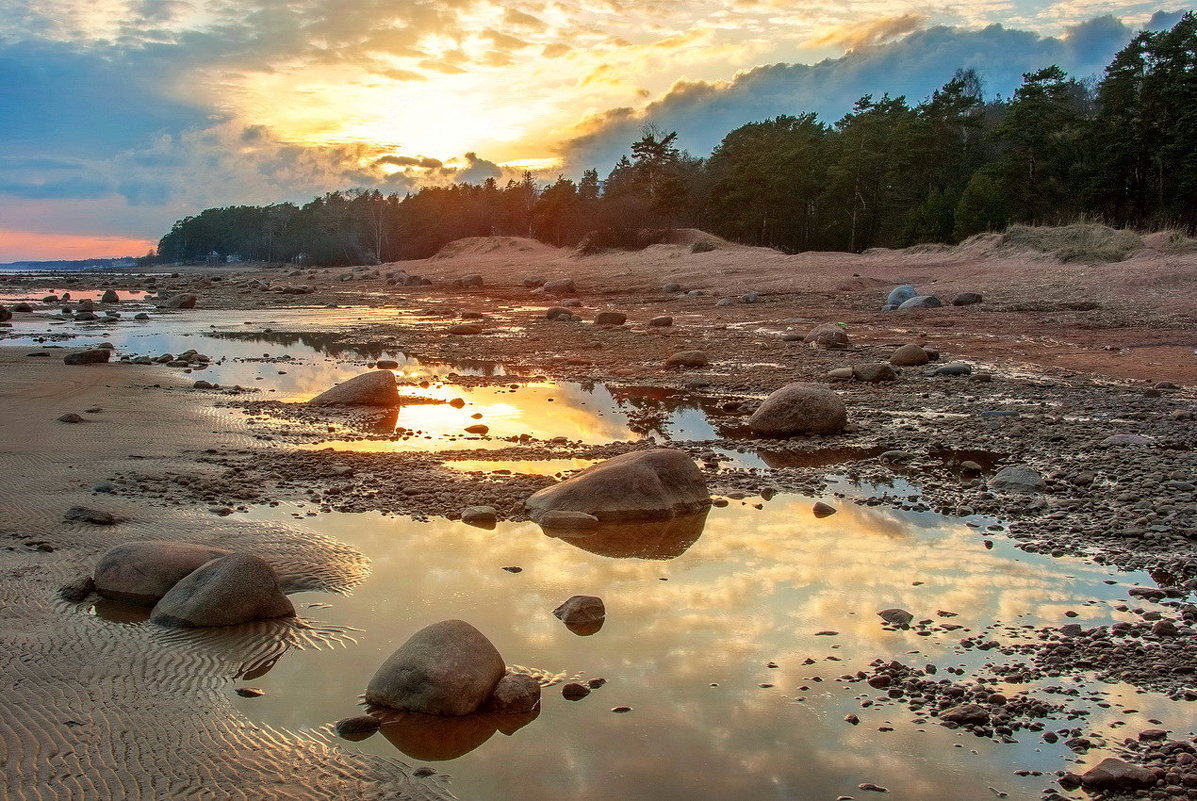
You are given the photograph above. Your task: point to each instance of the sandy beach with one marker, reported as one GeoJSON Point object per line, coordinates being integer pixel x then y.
{"type": "Point", "coordinates": [99, 704]}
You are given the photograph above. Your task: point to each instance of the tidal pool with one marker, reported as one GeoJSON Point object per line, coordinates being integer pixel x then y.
{"type": "Point", "coordinates": [294, 367]}
{"type": "Point", "coordinates": [695, 614]}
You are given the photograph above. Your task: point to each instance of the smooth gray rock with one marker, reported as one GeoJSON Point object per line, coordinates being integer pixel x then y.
{"type": "Point", "coordinates": [1017, 478]}
{"type": "Point", "coordinates": [656, 484]}
{"type": "Point", "coordinates": [229, 590]}
{"type": "Point", "coordinates": [899, 295]}
{"type": "Point", "coordinates": [954, 369]}
{"type": "Point", "coordinates": [448, 668]}
{"type": "Point", "coordinates": [142, 572]}
{"type": "Point", "coordinates": [921, 302]}
{"type": "Point", "coordinates": [376, 388]}
{"type": "Point", "coordinates": [799, 408]}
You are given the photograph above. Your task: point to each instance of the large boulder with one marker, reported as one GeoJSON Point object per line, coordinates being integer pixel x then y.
{"type": "Point", "coordinates": [1117, 775]}
{"type": "Point", "coordinates": [828, 335]}
{"type": "Point", "coordinates": [967, 299]}
{"type": "Point", "coordinates": [95, 356]}
{"type": "Point", "coordinates": [448, 668]}
{"type": "Point", "coordinates": [110, 296]}
{"type": "Point", "coordinates": [655, 484]}
{"type": "Point", "coordinates": [5, 315]}
{"type": "Point", "coordinates": [799, 408]}
{"type": "Point", "coordinates": [921, 302]}
{"type": "Point", "coordinates": [232, 589]}
{"type": "Point", "coordinates": [910, 355]}
{"type": "Point", "coordinates": [899, 295]}
{"type": "Point", "coordinates": [473, 280]}
{"type": "Point", "coordinates": [184, 301]}
{"type": "Point", "coordinates": [142, 572]}
{"type": "Point", "coordinates": [376, 388]}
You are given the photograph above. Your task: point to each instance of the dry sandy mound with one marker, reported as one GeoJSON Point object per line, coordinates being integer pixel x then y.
{"type": "Point", "coordinates": [472, 246]}
{"type": "Point", "coordinates": [696, 239]}
{"type": "Point", "coordinates": [1089, 243]}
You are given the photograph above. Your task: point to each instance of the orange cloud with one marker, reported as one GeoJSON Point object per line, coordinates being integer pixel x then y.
{"type": "Point", "coordinates": [36, 246]}
{"type": "Point", "coordinates": [877, 31]}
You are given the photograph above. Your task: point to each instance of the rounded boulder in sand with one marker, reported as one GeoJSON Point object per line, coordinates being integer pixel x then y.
{"type": "Point", "coordinates": [376, 388]}
{"type": "Point", "coordinates": [233, 589]}
{"type": "Point", "coordinates": [909, 355]}
{"type": "Point", "coordinates": [448, 668]}
{"type": "Point", "coordinates": [142, 572]}
{"type": "Point", "coordinates": [655, 484]}
{"type": "Point", "coordinates": [184, 301]}
{"type": "Point", "coordinates": [829, 336]}
{"type": "Point", "coordinates": [799, 409]}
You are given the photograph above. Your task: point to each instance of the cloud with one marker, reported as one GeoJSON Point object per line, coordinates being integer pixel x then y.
{"type": "Point", "coordinates": [702, 112]}
{"type": "Point", "coordinates": [410, 161]}
{"type": "Point", "coordinates": [477, 170]}
{"type": "Point", "coordinates": [874, 32]}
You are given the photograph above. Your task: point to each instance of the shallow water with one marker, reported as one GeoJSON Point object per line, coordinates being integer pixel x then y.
{"type": "Point", "coordinates": [699, 605]}
{"type": "Point", "coordinates": [294, 368]}
{"type": "Point", "coordinates": [701, 602]}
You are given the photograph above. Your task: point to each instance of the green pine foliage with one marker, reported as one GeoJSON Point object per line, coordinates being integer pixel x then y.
{"type": "Point", "coordinates": [885, 174]}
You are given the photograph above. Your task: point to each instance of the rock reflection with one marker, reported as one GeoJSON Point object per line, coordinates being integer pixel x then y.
{"type": "Point", "coordinates": [650, 539]}
{"type": "Point", "coordinates": [119, 612]}
{"type": "Point", "coordinates": [435, 738]}
{"type": "Point", "coordinates": [586, 629]}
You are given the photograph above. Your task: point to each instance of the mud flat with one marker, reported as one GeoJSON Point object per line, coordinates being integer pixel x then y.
{"type": "Point", "coordinates": [1034, 517]}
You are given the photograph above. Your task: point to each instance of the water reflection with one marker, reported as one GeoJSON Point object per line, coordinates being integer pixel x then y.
{"type": "Point", "coordinates": [756, 587]}
{"type": "Point", "coordinates": [651, 539]}
{"type": "Point", "coordinates": [433, 738]}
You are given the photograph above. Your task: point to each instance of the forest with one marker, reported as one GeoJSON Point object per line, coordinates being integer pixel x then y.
{"type": "Point", "coordinates": [1120, 150]}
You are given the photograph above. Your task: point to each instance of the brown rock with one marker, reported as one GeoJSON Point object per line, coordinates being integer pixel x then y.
{"type": "Point", "coordinates": [799, 408]}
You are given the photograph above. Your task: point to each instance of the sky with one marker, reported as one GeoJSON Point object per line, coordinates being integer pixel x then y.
{"type": "Point", "coordinates": [118, 117]}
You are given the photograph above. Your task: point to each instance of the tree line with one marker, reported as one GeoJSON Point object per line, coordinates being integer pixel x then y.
{"type": "Point", "coordinates": [888, 173]}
